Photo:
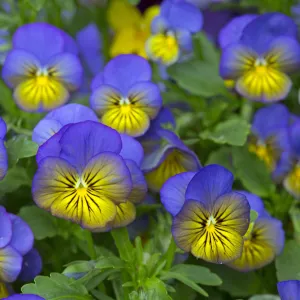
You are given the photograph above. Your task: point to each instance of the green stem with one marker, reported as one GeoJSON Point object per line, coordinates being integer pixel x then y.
{"type": "Point", "coordinates": [19, 130]}
{"type": "Point", "coordinates": [170, 254]}
{"type": "Point", "coordinates": [90, 244]}
{"type": "Point", "coordinates": [247, 110]}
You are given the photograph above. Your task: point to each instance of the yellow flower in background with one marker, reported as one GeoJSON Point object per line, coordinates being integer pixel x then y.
{"type": "Point", "coordinates": [131, 28]}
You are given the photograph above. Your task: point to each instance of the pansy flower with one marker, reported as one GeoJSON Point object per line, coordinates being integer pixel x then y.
{"type": "Point", "coordinates": [89, 173]}
{"type": "Point", "coordinates": [289, 289]}
{"type": "Point", "coordinates": [270, 139]}
{"type": "Point", "coordinates": [3, 152]}
{"type": "Point", "coordinates": [89, 41]}
{"type": "Point", "coordinates": [57, 118]}
{"type": "Point", "coordinates": [131, 28]}
{"type": "Point", "coordinates": [42, 68]}
{"type": "Point", "coordinates": [172, 31]}
{"type": "Point", "coordinates": [31, 267]}
{"type": "Point", "coordinates": [3, 291]}
{"type": "Point", "coordinates": [263, 241]}
{"type": "Point", "coordinates": [260, 61]}
{"type": "Point", "coordinates": [151, 140]}
{"type": "Point", "coordinates": [291, 181]}
{"type": "Point", "coordinates": [16, 241]}
{"type": "Point", "coordinates": [124, 96]}
{"type": "Point", "coordinates": [170, 156]}
{"type": "Point", "coordinates": [24, 297]}
{"type": "Point", "coordinates": [209, 219]}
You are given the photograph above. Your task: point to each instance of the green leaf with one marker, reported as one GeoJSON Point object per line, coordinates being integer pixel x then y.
{"type": "Point", "coordinates": [233, 132]}
{"type": "Point", "coordinates": [187, 281]}
{"type": "Point", "coordinates": [193, 76]}
{"type": "Point", "coordinates": [109, 262]}
{"type": "Point", "coordinates": [264, 297]}
{"type": "Point", "coordinates": [15, 178]}
{"type": "Point", "coordinates": [206, 50]}
{"type": "Point", "coordinates": [41, 222]}
{"type": "Point", "coordinates": [122, 241]}
{"type": "Point", "coordinates": [7, 20]}
{"type": "Point", "coordinates": [197, 274]}
{"type": "Point", "coordinates": [57, 287]}
{"type": "Point", "coordinates": [146, 209]}
{"type": "Point", "coordinates": [252, 172]}
{"type": "Point", "coordinates": [99, 295]}
{"type": "Point", "coordinates": [236, 283]}
{"type": "Point", "coordinates": [7, 102]}
{"type": "Point", "coordinates": [79, 267]}
{"type": "Point", "coordinates": [214, 110]}
{"type": "Point", "coordinates": [253, 215]}
{"type": "Point", "coordinates": [20, 147]}
{"type": "Point", "coordinates": [223, 157]}
{"type": "Point", "coordinates": [37, 5]}
{"type": "Point", "coordinates": [153, 289]}
{"type": "Point", "coordinates": [288, 263]}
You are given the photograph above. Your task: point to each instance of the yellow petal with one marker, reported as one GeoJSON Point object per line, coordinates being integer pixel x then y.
{"type": "Point", "coordinates": [173, 164]}
{"type": "Point", "coordinates": [121, 14]}
{"type": "Point", "coordinates": [264, 84]}
{"type": "Point", "coordinates": [292, 182]}
{"type": "Point", "coordinates": [127, 119]}
{"type": "Point", "coordinates": [126, 213]}
{"type": "Point", "coordinates": [40, 94]}
{"type": "Point", "coordinates": [197, 231]}
{"type": "Point", "coordinates": [163, 48]}
{"type": "Point", "coordinates": [129, 40]}
{"type": "Point", "coordinates": [259, 250]}
{"type": "Point", "coordinates": [3, 291]}
{"type": "Point", "coordinates": [150, 13]}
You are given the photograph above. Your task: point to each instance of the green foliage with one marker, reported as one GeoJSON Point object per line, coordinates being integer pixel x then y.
{"type": "Point", "coordinates": [252, 172]}
{"type": "Point", "coordinates": [15, 178]}
{"type": "Point", "coordinates": [192, 76]}
{"type": "Point", "coordinates": [233, 132]}
{"type": "Point", "coordinates": [57, 287]}
{"type": "Point", "coordinates": [222, 156]}
{"type": "Point", "coordinates": [288, 263]}
{"type": "Point", "coordinates": [20, 147]}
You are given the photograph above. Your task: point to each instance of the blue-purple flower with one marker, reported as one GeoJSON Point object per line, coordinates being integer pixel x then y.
{"type": "Point", "coordinates": [289, 289]}
{"type": "Point", "coordinates": [259, 55]}
{"type": "Point", "coordinates": [89, 41]}
{"type": "Point", "coordinates": [270, 139]}
{"type": "Point", "coordinates": [169, 156]}
{"type": "Point", "coordinates": [56, 119]}
{"type": "Point", "coordinates": [209, 219]}
{"type": "Point", "coordinates": [24, 297]}
{"type": "Point", "coordinates": [124, 96]}
{"type": "Point", "coordinates": [172, 31]}
{"type": "Point", "coordinates": [90, 174]}
{"type": "Point", "coordinates": [3, 152]}
{"type": "Point", "coordinates": [291, 181]}
{"type": "Point", "coordinates": [263, 241]}
{"type": "Point", "coordinates": [15, 243]}
{"type": "Point", "coordinates": [42, 68]}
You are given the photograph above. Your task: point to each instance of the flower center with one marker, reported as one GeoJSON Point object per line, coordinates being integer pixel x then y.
{"type": "Point", "coordinates": [124, 101]}
{"type": "Point", "coordinates": [264, 153]}
{"type": "Point", "coordinates": [210, 225]}
{"type": "Point", "coordinates": [171, 41]}
{"type": "Point", "coordinates": [42, 80]}
{"type": "Point", "coordinates": [261, 66]}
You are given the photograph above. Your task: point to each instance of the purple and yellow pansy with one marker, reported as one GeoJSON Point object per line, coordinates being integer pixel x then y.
{"type": "Point", "coordinates": [124, 96]}
{"type": "Point", "coordinates": [90, 174]}
{"type": "Point", "coordinates": [172, 31]}
{"type": "Point", "coordinates": [259, 64]}
{"type": "Point", "coordinates": [42, 68]}
{"type": "Point", "coordinates": [209, 219]}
